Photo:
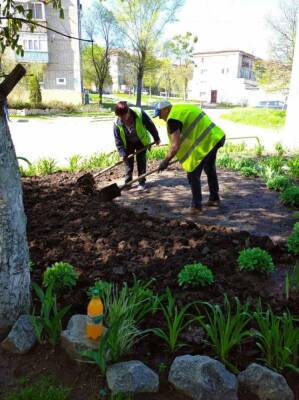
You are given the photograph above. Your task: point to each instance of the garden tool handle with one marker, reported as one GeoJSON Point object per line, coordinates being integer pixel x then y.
{"type": "Point", "coordinates": [121, 161]}
{"type": "Point", "coordinates": [144, 175]}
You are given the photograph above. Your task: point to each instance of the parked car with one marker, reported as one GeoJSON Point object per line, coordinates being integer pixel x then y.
{"type": "Point", "coordinates": [275, 104]}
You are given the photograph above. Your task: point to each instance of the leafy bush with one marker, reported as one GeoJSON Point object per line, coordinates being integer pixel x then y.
{"type": "Point", "coordinates": [290, 196]}
{"type": "Point", "coordinates": [279, 183]}
{"type": "Point", "coordinates": [255, 259]}
{"type": "Point", "coordinates": [278, 339]}
{"type": "Point", "coordinates": [293, 239]}
{"type": "Point", "coordinates": [225, 328]}
{"type": "Point", "coordinates": [48, 322]}
{"type": "Point", "coordinates": [35, 95]}
{"type": "Point", "coordinates": [42, 389]}
{"type": "Point", "coordinates": [60, 275]}
{"type": "Point", "coordinates": [195, 275]}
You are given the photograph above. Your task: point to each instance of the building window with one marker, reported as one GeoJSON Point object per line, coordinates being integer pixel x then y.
{"type": "Point", "coordinates": [61, 81]}
{"type": "Point", "coordinates": [38, 11]}
{"type": "Point", "coordinates": [35, 42]}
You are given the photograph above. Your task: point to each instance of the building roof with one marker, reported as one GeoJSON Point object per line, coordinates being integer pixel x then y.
{"type": "Point", "coordinates": [201, 53]}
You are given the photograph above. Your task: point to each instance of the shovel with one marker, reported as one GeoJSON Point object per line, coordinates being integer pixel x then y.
{"type": "Point", "coordinates": [109, 193]}
{"type": "Point", "coordinates": [121, 161]}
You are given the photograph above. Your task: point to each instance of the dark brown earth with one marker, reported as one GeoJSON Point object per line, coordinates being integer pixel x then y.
{"type": "Point", "coordinates": [151, 234]}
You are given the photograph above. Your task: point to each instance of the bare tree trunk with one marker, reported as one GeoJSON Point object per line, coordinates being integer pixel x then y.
{"type": "Point", "coordinates": [14, 256]}
{"type": "Point", "coordinates": [139, 86]}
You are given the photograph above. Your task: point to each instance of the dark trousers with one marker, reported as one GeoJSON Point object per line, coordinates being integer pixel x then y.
{"type": "Point", "coordinates": [208, 164]}
{"type": "Point", "coordinates": [129, 164]}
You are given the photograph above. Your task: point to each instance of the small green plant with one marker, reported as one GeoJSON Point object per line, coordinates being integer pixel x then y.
{"type": "Point", "coordinates": [249, 171]}
{"type": "Point", "coordinates": [293, 165]}
{"type": "Point", "coordinates": [293, 239]}
{"type": "Point", "coordinates": [277, 338]}
{"type": "Point", "coordinates": [259, 150]}
{"type": "Point", "coordinates": [48, 322]}
{"type": "Point", "coordinates": [255, 259]}
{"type": "Point", "coordinates": [291, 282]}
{"type": "Point", "coordinates": [46, 166]}
{"type": "Point", "coordinates": [225, 328]}
{"type": "Point", "coordinates": [280, 150]}
{"type": "Point", "coordinates": [43, 389]}
{"type": "Point", "coordinates": [74, 163]}
{"type": "Point", "coordinates": [176, 321]}
{"type": "Point", "coordinates": [279, 183]}
{"type": "Point", "coordinates": [290, 196]}
{"type": "Point", "coordinates": [60, 275]}
{"type": "Point", "coordinates": [195, 275]}
{"type": "Point", "coordinates": [162, 367]}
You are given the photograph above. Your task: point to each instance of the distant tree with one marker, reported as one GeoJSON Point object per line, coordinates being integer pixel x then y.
{"type": "Point", "coordinates": [275, 74]}
{"type": "Point", "coordinates": [182, 49]}
{"type": "Point", "coordinates": [35, 95]}
{"type": "Point", "coordinates": [90, 75]}
{"type": "Point", "coordinates": [142, 23]}
{"type": "Point", "coordinates": [99, 22]}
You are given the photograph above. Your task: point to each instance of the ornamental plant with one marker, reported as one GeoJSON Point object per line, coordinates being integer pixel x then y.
{"type": "Point", "coordinates": [60, 275]}
{"type": "Point", "coordinates": [290, 196]}
{"type": "Point", "coordinates": [255, 259]}
{"type": "Point", "coordinates": [195, 275]}
{"type": "Point", "coordinates": [279, 183]}
{"type": "Point", "coordinates": [293, 239]}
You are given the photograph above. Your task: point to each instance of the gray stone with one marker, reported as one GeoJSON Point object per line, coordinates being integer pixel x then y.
{"type": "Point", "coordinates": [132, 377]}
{"type": "Point", "coordinates": [21, 338]}
{"type": "Point", "coordinates": [265, 383]}
{"type": "Point", "coordinates": [202, 378]}
{"type": "Point", "coordinates": [74, 339]}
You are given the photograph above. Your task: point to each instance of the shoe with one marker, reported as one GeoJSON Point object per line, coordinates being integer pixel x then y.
{"type": "Point", "coordinates": [196, 209]}
{"type": "Point", "coordinates": [213, 203]}
{"type": "Point", "coordinates": [141, 186]}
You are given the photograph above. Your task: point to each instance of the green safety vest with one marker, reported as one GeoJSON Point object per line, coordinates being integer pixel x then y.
{"type": "Point", "coordinates": [141, 131]}
{"type": "Point", "coordinates": [199, 135]}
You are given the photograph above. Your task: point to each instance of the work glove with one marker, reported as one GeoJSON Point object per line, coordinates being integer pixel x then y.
{"type": "Point", "coordinates": [163, 165]}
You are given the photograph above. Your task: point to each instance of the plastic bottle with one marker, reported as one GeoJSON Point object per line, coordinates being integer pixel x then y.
{"type": "Point", "coordinates": [95, 309]}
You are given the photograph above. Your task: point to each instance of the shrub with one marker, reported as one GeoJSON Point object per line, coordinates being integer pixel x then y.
{"type": "Point", "coordinates": [35, 95]}
{"type": "Point", "coordinates": [293, 165]}
{"type": "Point", "coordinates": [279, 183]}
{"type": "Point", "coordinates": [255, 259]}
{"type": "Point", "coordinates": [290, 196]}
{"type": "Point", "coordinates": [195, 275]}
{"type": "Point", "coordinates": [249, 171]}
{"type": "Point", "coordinates": [60, 275]}
{"type": "Point", "coordinates": [293, 239]}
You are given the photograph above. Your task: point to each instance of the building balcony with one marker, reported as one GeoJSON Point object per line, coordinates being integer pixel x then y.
{"type": "Point", "coordinates": [31, 56]}
{"type": "Point", "coordinates": [247, 73]}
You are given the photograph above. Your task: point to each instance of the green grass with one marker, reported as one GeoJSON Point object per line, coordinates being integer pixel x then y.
{"type": "Point", "coordinates": [261, 117]}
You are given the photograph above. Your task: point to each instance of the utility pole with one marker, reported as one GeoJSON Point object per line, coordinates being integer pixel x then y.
{"type": "Point", "coordinates": [291, 136]}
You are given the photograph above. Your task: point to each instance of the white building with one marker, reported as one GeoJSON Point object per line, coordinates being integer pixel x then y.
{"type": "Point", "coordinates": [224, 76]}
{"type": "Point", "coordinates": [59, 56]}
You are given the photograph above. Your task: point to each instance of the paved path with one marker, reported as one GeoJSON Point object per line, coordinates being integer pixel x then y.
{"type": "Point", "coordinates": [247, 203]}
{"type": "Point", "coordinates": [62, 137]}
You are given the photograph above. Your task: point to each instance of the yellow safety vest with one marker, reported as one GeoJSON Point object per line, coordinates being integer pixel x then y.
{"type": "Point", "coordinates": [199, 134]}
{"type": "Point", "coordinates": [141, 131]}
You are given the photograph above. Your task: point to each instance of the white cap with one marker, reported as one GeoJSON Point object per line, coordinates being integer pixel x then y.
{"type": "Point", "coordinates": [159, 106]}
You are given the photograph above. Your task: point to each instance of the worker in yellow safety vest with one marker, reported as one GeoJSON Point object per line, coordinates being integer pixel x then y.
{"type": "Point", "coordinates": [195, 140]}
{"type": "Point", "coordinates": [132, 129]}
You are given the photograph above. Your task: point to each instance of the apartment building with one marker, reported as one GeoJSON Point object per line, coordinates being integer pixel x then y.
{"type": "Point", "coordinates": [224, 76]}
{"type": "Point", "coordinates": [58, 56]}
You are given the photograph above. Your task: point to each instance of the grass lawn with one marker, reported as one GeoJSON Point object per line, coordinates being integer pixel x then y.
{"type": "Point", "coordinates": [262, 117]}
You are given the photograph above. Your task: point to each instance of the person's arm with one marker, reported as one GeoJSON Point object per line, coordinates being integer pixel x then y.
{"type": "Point", "coordinates": [150, 126]}
{"type": "Point", "coordinates": [174, 128]}
{"type": "Point", "coordinates": [118, 142]}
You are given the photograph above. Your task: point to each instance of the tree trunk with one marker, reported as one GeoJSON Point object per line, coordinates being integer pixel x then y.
{"type": "Point", "coordinates": [14, 256]}
{"type": "Point", "coordinates": [139, 87]}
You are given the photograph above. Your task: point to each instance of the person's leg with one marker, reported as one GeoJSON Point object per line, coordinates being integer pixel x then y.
{"type": "Point", "coordinates": [129, 166]}
{"type": "Point", "coordinates": [195, 184]}
{"type": "Point", "coordinates": [209, 166]}
{"type": "Point", "coordinates": [141, 165]}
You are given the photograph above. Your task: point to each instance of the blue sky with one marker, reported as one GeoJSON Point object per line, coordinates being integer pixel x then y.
{"type": "Point", "coordinates": [224, 24]}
